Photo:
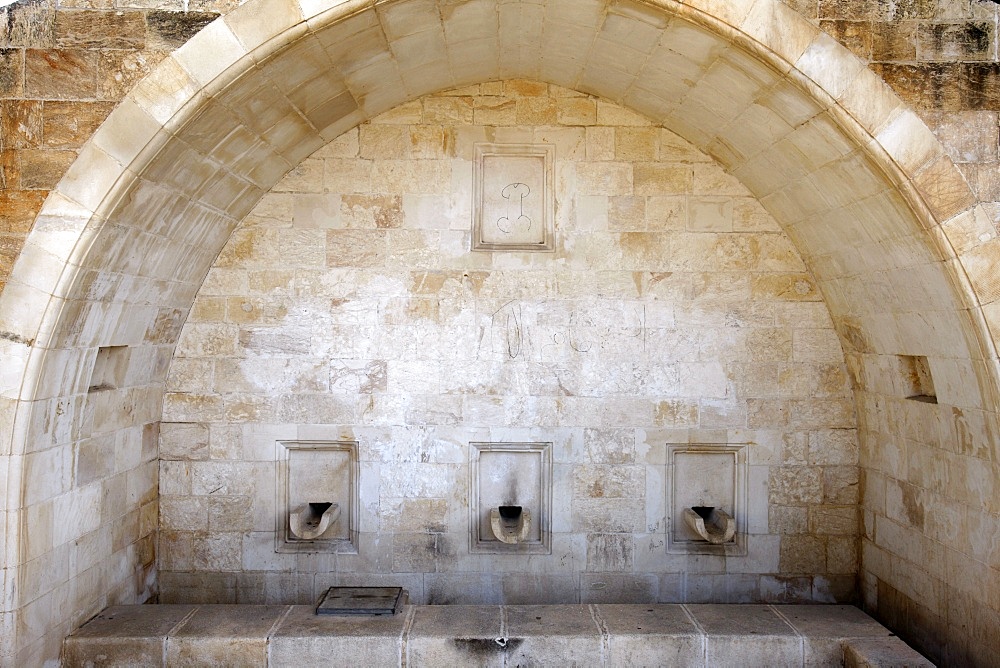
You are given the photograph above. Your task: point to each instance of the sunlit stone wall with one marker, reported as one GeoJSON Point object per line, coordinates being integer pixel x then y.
{"type": "Point", "coordinates": [348, 306]}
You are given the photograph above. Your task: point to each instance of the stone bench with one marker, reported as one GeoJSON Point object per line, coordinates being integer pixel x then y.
{"type": "Point", "coordinates": [585, 635]}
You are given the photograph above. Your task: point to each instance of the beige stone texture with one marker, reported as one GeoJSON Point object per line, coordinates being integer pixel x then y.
{"type": "Point", "coordinates": [890, 280]}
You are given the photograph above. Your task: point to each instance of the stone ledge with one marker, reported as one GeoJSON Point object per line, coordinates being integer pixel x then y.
{"type": "Point", "coordinates": [890, 652]}
{"type": "Point", "coordinates": [597, 634]}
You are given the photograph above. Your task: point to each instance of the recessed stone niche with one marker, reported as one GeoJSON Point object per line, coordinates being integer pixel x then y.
{"type": "Point", "coordinates": [915, 378]}
{"type": "Point", "coordinates": [511, 475]}
{"type": "Point", "coordinates": [513, 197]}
{"type": "Point", "coordinates": [704, 477]}
{"type": "Point", "coordinates": [317, 478]}
{"type": "Point", "coordinates": [110, 367]}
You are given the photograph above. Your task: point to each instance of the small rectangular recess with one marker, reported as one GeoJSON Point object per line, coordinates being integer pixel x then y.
{"type": "Point", "coordinates": [915, 378]}
{"type": "Point", "coordinates": [110, 368]}
{"type": "Point", "coordinates": [342, 489]}
{"type": "Point", "coordinates": [535, 494]}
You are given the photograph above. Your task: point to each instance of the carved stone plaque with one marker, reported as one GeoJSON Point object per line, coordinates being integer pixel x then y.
{"type": "Point", "coordinates": [513, 197]}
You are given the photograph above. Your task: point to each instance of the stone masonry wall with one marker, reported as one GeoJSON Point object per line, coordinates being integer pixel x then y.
{"type": "Point", "coordinates": [62, 70]}
{"type": "Point", "coordinates": [64, 65]}
{"type": "Point", "coordinates": [349, 306]}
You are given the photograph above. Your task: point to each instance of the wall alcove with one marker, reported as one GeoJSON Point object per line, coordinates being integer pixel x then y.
{"type": "Point", "coordinates": [858, 184]}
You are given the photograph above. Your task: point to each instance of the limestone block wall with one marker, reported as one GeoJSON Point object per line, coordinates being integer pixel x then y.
{"type": "Point", "coordinates": [939, 593]}
{"type": "Point", "coordinates": [348, 306]}
{"type": "Point", "coordinates": [62, 70]}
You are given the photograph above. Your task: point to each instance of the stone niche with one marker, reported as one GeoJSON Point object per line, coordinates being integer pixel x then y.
{"type": "Point", "coordinates": [515, 475]}
{"type": "Point", "coordinates": [706, 476]}
{"type": "Point", "coordinates": [317, 484]}
{"type": "Point", "coordinates": [670, 314]}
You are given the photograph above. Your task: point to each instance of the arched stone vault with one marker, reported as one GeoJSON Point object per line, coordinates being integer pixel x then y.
{"type": "Point", "coordinates": [877, 210]}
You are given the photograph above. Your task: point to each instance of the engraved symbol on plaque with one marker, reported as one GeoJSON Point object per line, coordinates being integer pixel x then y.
{"type": "Point", "coordinates": [507, 223]}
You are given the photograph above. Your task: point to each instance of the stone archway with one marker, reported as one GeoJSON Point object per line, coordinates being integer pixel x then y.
{"type": "Point", "coordinates": [121, 247]}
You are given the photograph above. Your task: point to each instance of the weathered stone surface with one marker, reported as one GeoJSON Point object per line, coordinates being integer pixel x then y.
{"type": "Point", "coordinates": [11, 74]}
{"type": "Point", "coordinates": [168, 30]}
{"type": "Point", "coordinates": [27, 24]}
{"type": "Point", "coordinates": [306, 639]}
{"type": "Point", "coordinates": [61, 74]}
{"type": "Point", "coordinates": [865, 652]}
{"type": "Point", "coordinates": [224, 634]}
{"type": "Point", "coordinates": [120, 70]}
{"type": "Point", "coordinates": [855, 35]}
{"type": "Point", "coordinates": [70, 124]}
{"type": "Point", "coordinates": [802, 554]}
{"type": "Point", "coordinates": [757, 636]}
{"type": "Point", "coordinates": [552, 634]}
{"type": "Point", "coordinates": [21, 123]}
{"type": "Point", "coordinates": [125, 635]}
{"type": "Point", "coordinates": [100, 29]}
{"type": "Point", "coordinates": [19, 208]}
{"type": "Point", "coordinates": [944, 86]}
{"type": "Point", "coordinates": [42, 169]}
{"type": "Point", "coordinates": [966, 41]}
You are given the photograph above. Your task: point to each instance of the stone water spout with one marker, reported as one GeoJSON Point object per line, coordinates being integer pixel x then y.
{"type": "Point", "coordinates": [309, 521]}
{"type": "Point", "coordinates": [510, 524]}
{"type": "Point", "coordinates": [712, 524]}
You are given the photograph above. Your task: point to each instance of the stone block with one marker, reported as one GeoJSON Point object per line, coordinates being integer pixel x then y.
{"type": "Point", "coordinates": [618, 588]}
{"type": "Point", "coordinates": [650, 635]}
{"type": "Point", "coordinates": [604, 178]}
{"type": "Point", "coordinates": [306, 639]}
{"type": "Point", "coordinates": [11, 73]}
{"type": "Point", "coordinates": [610, 552]}
{"type": "Point", "coordinates": [576, 111]}
{"type": "Point", "coordinates": [120, 70]}
{"type": "Point", "coordinates": [882, 653]}
{"type": "Point", "coordinates": [826, 628]}
{"type": "Point", "coordinates": [90, 29]}
{"type": "Point", "coordinates": [456, 635]}
{"type": "Point", "coordinates": [125, 635]}
{"type": "Point", "coordinates": [659, 179]}
{"type": "Point", "coordinates": [531, 589]}
{"type": "Point", "coordinates": [796, 485]}
{"type": "Point", "coordinates": [21, 123]}
{"type": "Point", "coordinates": [183, 441]}
{"type": "Point", "coordinates": [168, 30]}
{"type": "Point", "coordinates": [27, 25]}
{"type": "Point", "coordinates": [224, 634]}
{"type": "Point", "coordinates": [61, 74]}
{"type": "Point", "coordinates": [802, 555]}
{"type": "Point", "coordinates": [546, 634]}
{"type": "Point", "coordinates": [965, 41]}
{"type": "Point", "coordinates": [746, 635]}
{"type": "Point", "coordinates": [836, 520]}
{"type": "Point", "coordinates": [462, 589]}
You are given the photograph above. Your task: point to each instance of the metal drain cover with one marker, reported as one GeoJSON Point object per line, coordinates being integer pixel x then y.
{"type": "Point", "coordinates": [361, 601]}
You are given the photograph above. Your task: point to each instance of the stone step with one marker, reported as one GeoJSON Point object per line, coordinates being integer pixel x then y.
{"type": "Point", "coordinates": [510, 635]}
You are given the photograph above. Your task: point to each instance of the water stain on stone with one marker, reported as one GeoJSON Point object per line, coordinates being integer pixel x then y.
{"type": "Point", "coordinates": [485, 647]}
{"type": "Point", "coordinates": [913, 507]}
